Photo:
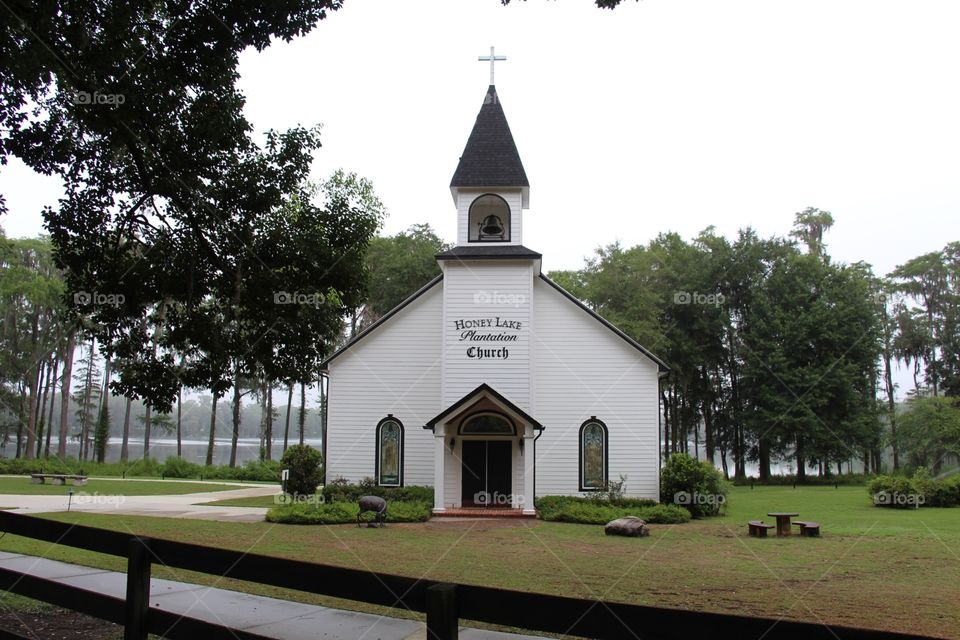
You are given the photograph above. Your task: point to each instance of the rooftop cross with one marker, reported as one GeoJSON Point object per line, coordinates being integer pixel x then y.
{"type": "Point", "coordinates": [493, 59]}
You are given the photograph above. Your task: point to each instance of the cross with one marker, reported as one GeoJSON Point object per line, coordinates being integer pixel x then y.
{"type": "Point", "coordinates": [492, 59]}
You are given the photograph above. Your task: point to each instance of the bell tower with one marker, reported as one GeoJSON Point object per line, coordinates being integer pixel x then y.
{"type": "Point", "coordinates": [490, 187]}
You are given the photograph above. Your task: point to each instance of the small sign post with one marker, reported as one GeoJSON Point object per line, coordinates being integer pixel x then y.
{"type": "Point", "coordinates": [284, 476]}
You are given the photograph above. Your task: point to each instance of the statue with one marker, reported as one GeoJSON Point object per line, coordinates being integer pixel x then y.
{"type": "Point", "coordinates": [377, 505]}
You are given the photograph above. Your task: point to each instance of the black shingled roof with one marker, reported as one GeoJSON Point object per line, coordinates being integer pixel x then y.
{"type": "Point", "coordinates": [484, 252]}
{"type": "Point", "coordinates": [490, 158]}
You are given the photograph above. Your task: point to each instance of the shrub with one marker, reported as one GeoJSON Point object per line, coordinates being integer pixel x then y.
{"type": "Point", "coordinates": [585, 511]}
{"type": "Point", "coordinates": [696, 486]}
{"type": "Point", "coordinates": [179, 468]}
{"type": "Point", "coordinates": [303, 461]}
{"type": "Point", "coordinates": [339, 490]}
{"type": "Point", "coordinates": [920, 490]}
{"type": "Point", "coordinates": [344, 513]}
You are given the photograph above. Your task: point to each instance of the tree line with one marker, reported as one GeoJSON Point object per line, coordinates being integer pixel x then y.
{"type": "Point", "coordinates": [776, 350]}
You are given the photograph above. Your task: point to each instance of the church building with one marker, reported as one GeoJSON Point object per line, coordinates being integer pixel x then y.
{"type": "Point", "coordinates": [492, 383]}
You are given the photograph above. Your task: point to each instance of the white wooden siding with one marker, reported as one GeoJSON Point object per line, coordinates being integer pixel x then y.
{"type": "Point", "coordinates": [514, 199]}
{"type": "Point", "coordinates": [394, 369]}
{"type": "Point", "coordinates": [487, 290]}
{"type": "Point", "coordinates": [583, 369]}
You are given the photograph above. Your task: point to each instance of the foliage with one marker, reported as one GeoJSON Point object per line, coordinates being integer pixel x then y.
{"type": "Point", "coordinates": [846, 479]}
{"type": "Point", "coordinates": [399, 265]}
{"type": "Point", "coordinates": [697, 486]}
{"type": "Point", "coordinates": [928, 430]}
{"type": "Point", "coordinates": [341, 491]}
{"type": "Point", "coordinates": [919, 491]}
{"type": "Point", "coordinates": [251, 471]}
{"type": "Point", "coordinates": [583, 511]}
{"type": "Point", "coordinates": [343, 513]}
{"type": "Point", "coordinates": [304, 463]}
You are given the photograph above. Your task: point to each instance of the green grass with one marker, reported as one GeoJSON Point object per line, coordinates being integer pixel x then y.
{"type": "Point", "coordinates": [897, 570]}
{"type": "Point", "coordinates": [23, 486]}
{"type": "Point", "coordinates": [255, 501]}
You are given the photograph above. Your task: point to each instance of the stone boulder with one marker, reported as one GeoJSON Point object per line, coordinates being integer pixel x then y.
{"type": "Point", "coordinates": [631, 526]}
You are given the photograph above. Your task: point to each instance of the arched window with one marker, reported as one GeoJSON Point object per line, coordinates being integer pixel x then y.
{"type": "Point", "coordinates": [593, 455]}
{"type": "Point", "coordinates": [389, 461]}
{"type": "Point", "coordinates": [489, 219]}
{"type": "Point", "coordinates": [487, 423]}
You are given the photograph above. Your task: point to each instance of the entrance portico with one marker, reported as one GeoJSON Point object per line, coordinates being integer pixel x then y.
{"type": "Point", "coordinates": [484, 454]}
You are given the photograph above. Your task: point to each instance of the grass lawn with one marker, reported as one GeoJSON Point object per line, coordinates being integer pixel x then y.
{"type": "Point", "coordinates": [255, 501]}
{"type": "Point", "coordinates": [887, 569]}
{"type": "Point", "coordinates": [17, 485]}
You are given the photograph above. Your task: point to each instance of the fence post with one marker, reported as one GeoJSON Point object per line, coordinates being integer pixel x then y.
{"type": "Point", "coordinates": [442, 620]}
{"type": "Point", "coordinates": [138, 589]}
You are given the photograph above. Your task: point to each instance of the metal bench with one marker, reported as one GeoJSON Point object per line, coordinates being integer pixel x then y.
{"type": "Point", "coordinates": [757, 529]}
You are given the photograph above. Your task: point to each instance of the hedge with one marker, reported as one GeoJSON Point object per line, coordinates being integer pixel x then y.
{"type": "Point", "coordinates": [250, 471]}
{"type": "Point", "coordinates": [586, 511]}
{"type": "Point", "coordinates": [919, 491]}
{"type": "Point", "coordinates": [344, 513]}
{"type": "Point", "coordinates": [341, 492]}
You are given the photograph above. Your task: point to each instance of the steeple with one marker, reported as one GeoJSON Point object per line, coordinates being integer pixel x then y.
{"type": "Point", "coordinates": [490, 160]}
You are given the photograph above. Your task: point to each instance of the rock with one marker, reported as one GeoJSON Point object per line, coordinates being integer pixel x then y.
{"type": "Point", "coordinates": [627, 526]}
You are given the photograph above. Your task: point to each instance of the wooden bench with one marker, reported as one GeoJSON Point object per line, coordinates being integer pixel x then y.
{"type": "Point", "coordinates": [809, 529]}
{"type": "Point", "coordinates": [58, 478]}
{"type": "Point", "coordinates": [757, 529]}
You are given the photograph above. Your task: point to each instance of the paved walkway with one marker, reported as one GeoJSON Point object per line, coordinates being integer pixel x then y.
{"type": "Point", "coordinates": [267, 617]}
{"type": "Point", "coordinates": [168, 506]}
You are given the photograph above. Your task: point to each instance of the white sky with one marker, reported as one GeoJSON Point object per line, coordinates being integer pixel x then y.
{"type": "Point", "coordinates": [660, 115]}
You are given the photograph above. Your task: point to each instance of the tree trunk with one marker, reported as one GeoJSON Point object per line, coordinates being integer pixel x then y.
{"type": "Point", "coordinates": [286, 429]}
{"type": "Point", "coordinates": [179, 421]}
{"type": "Point", "coordinates": [763, 460]}
{"type": "Point", "coordinates": [45, 386]}
{"type": "Point", "coordinates": [33, 382]}
{"type": "Point", "coordinates": [213, 429]}
{"type": "Point", "coordinates": [303, 410]}
{"type": "Point", "coordinates": [269, 435]}
{"type": "Point", "coordinates": [125, 445]}
{"type": "Point", "coordinates": [53, 397]}
{"type": "Point", "coordinates": [236, 418]}
{"type": "Point", "coordinates": [87, 393]}
{"type": "Point", "coordinates": [65, 394]}
{"type": "Point", "coordinates": [147, 416]}
{"type": "Point", "coordinates": [801, 462]}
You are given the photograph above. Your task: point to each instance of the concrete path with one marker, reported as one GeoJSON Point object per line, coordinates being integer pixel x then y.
{"type": "Point", "coordinates": [168, 506]}
{"type": "Point", "coordinates": [268, 617]}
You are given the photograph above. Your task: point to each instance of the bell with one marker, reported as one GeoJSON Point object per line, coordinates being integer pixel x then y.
{"type": "Point", "coordinates": [491, 226]}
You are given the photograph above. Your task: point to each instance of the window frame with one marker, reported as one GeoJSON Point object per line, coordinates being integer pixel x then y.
{"type": "Point", "coordinates": [507, 224]}
{"type": "Point", "coordinates": [606, 454]}
{"type": "Point", "coordinates": [377, 451]}
{"type": "Point", "coordinates": [487, 412]}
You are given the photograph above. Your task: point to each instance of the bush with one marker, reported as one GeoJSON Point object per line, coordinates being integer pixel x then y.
{"type": "Point", "coordinates": [179, 468]}
{"type": "Point", "coordinates": [344, 513]}
{"type": "Point", "coordinates": [303, 461]}
{"type": "Point", "coordinates": [339, 490]}
{"type": "Point", "coordinates": [921, 490]}
{"type": "Point", "coordinates": [586, 511]}
{"type": "Point", "coordinates": [696, 486]}
{"type": "Point", "coordinates": [846, 479]}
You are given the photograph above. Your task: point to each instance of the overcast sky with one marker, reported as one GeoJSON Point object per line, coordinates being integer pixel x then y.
{"type": "Point", "coordinates": [660, 115]}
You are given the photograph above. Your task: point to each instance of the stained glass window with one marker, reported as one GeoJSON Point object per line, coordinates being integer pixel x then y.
{"type": "Point", "coordinates": [487, 423]}
{"type": "Point", "coordinates": [593, 455]}
{"type": "Point", "coordinates": [389, 447]}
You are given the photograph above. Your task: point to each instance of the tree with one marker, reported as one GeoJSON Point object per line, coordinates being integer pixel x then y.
{"type": "Point", "coordinates": [809, 226]}
{"type": "Point", "coordinates": [929, 430]}
{"type": "Point", "coordinates": [397, 266]}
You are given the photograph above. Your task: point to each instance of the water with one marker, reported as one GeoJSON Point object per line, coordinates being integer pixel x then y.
{"type": "Point", "coordinates": [193, 450]}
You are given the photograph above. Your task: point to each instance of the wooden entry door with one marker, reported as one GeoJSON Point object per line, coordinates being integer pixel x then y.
{"type": "Point", "coordinates": [486, 480]}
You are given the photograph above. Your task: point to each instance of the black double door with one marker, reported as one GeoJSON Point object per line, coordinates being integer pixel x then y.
{"type": "Point", "coordinates": [486, 479]}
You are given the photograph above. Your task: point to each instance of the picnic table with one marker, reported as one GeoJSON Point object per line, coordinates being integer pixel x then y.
{"type": "Point", "coordinates": [783, 521]}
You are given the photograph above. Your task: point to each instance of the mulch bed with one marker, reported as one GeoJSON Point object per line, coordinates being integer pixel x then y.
{"type": "Point", "coordinates": [58, 624]}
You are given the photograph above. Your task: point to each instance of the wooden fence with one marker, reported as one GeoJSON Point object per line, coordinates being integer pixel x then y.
{"type": "Point", "coordinates": [444, 604]}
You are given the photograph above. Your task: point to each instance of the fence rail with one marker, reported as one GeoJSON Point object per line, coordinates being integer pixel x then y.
{"type": "Point", "coordinates": [444, 604]}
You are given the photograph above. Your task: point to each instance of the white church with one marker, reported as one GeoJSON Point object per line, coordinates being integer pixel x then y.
{"type": "Point", "coordinates": [491, 383]}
